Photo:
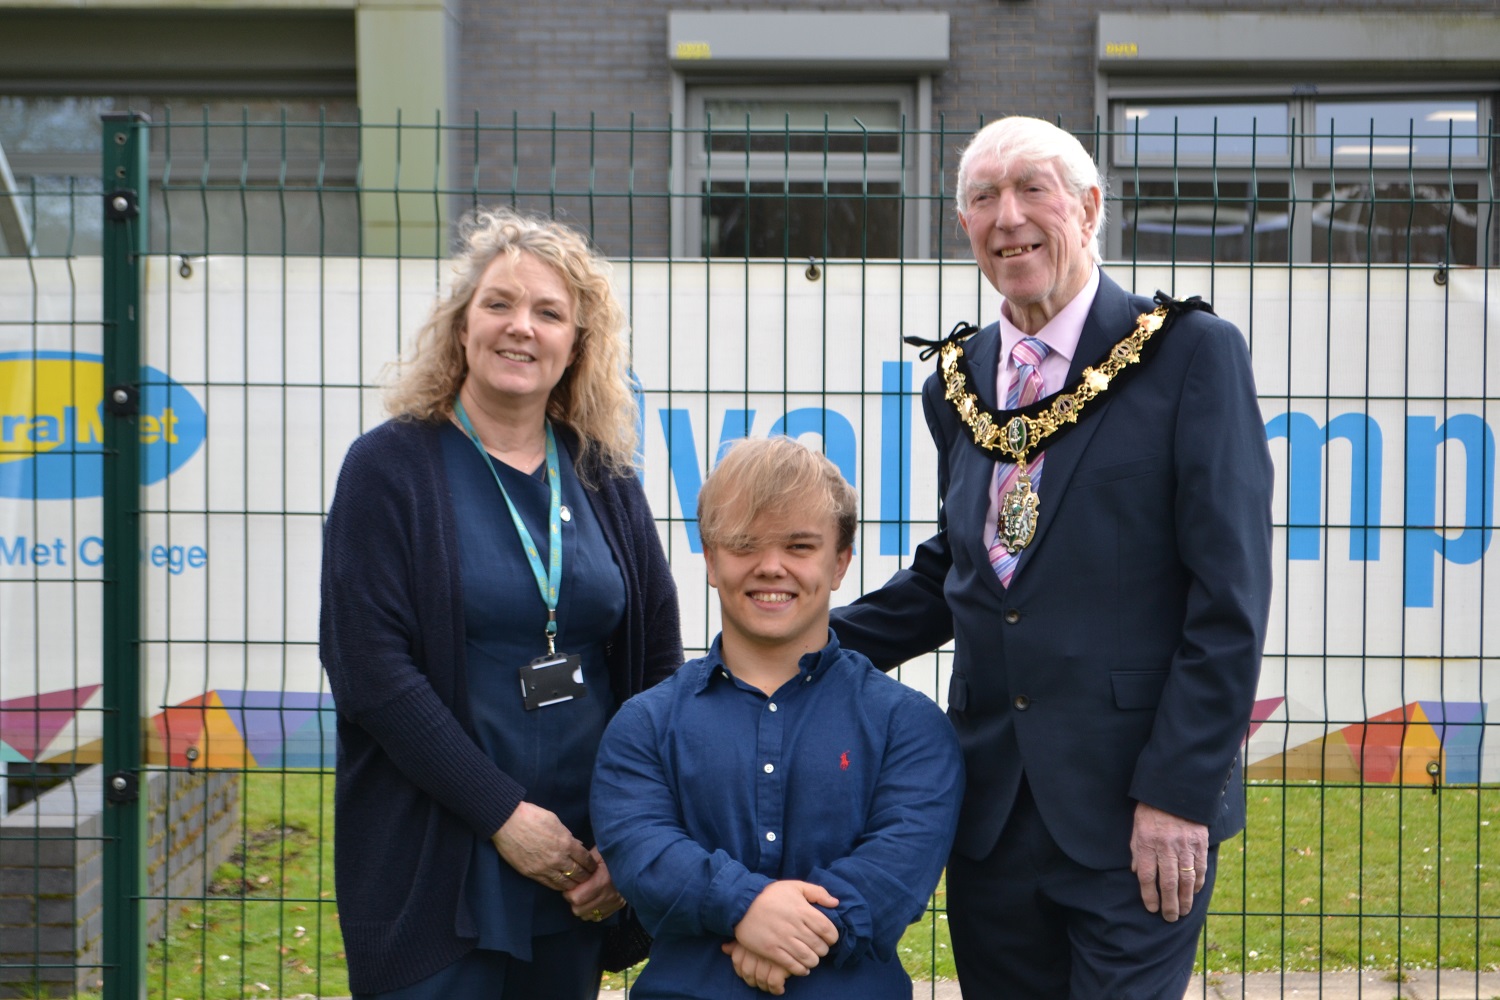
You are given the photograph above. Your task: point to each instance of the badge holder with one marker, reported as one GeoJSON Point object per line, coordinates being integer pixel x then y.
{"type": "Point", "coordinates": [552, 680]}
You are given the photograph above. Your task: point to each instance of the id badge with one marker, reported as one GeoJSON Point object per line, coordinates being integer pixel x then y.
{"type": "Point", "coordinates": [552, 680]}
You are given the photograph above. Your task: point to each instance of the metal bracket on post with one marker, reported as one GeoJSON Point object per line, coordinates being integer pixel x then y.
{"type": "Point", "coordinates": [122, 786]}
{"type": "Point", "coordinates": [122, 204]}
{"type": "Point", "coordinates": [122, 401]}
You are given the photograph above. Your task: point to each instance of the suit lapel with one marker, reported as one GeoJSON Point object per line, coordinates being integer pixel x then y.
{"type": "Point", "coordinates": [1109, 320]}
{"type": "Point", "coordinates": [983, 353]}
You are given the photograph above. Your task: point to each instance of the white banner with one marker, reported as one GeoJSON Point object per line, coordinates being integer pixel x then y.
{"type": "Point", "coordinates": [1375, 386]}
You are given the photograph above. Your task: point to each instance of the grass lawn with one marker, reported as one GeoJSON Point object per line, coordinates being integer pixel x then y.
{"type": "Point", "coordinates": [267, 923]}
{"type": "Point", "coordinates": [1344, 877]}
{"type": "Point", "coordinates": [1324, 878]}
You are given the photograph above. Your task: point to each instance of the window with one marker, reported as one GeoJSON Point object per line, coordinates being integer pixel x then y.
{"type": "Point", "coordinates": [1204, 220]}
{"type": "Point", "coordinates": [801, 171]}
{"type": "Point", "coordinates": [1318, 178]}
{"type": "Point", "coordinates": [1202, 133]}
{"type": "Point", "coordinates": [807, 133]}
{"type": "Point", "coordinates": [1436, 131]}
{"type": "Point", "coordinates": [216, 168]}
{"type": "Point", "coordinates": [1395, 223]}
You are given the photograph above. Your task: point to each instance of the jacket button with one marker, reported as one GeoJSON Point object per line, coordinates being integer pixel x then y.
{"type": "Point", "coordinates": [1021, 702]}
{"type": "Point", "coordinates": [1012, 616]}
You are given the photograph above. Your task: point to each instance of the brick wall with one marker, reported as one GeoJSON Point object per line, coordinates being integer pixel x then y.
{"type": "Point", "coordinates": [607, 59]}
{"type": "Point", "coordinates": [52, 868]}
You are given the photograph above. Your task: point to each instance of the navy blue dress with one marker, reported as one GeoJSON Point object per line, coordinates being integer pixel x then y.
{"type": "Point", "coordinates": [550, 751]}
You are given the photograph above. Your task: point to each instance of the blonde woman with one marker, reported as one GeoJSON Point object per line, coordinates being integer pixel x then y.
{"type": "Point", "coordinates": [493, 588]}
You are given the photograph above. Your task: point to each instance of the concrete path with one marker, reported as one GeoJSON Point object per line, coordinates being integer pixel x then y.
{"type": "Point", "coordinates": [1290, 986]}
{"type": "Point", "coordinates": [1426, 985]}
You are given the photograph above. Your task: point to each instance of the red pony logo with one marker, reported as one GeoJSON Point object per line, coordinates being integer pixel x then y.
{"type": "Point", "coordinates": [844, 761]}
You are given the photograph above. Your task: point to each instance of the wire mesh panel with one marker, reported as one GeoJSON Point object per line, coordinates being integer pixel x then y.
{"type": "Point", "coordinates": [767, 293]}
{"type": "Point", "coordinates": [50, 546]}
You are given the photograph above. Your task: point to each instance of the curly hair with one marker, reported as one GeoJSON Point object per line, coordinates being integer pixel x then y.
{"type": "Point", "coordinates": [593, 398]}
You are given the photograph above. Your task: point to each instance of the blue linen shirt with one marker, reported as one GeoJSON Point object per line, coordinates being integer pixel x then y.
{"type": "Point", "coordinates": [706, 790]}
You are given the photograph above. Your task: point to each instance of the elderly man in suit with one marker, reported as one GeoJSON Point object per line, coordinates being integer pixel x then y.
{"type": "Point", "coordinates": [1103, 563]}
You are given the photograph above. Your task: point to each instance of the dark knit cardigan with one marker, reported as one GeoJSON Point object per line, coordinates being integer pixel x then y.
{"type": "Point", "coordinates": [414, 788]}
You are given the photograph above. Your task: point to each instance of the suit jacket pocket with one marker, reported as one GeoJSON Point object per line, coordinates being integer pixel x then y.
{"type": "Point", "coordinates": [958, 693]}
{"type": "Point", "coordinates": [1117, 471]}
{"type": "Point", "coordinates": [1138, 688]}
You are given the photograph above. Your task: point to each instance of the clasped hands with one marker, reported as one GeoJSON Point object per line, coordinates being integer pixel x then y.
{"type": "Point", "coordinates": [782, 934]}
{"type": "Point", "coordinates": [536, 843]}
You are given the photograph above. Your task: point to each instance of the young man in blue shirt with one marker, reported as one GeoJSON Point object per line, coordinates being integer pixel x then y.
{"type": "Point", "coordinates": [778, 811]}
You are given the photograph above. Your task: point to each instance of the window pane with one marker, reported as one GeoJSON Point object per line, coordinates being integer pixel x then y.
{"type": "Point", "coordinates": [816, 141]}
{"type": "Point", "coordinates": [1204, 131]}
{"type": "Point", "coordinates": [772, 219]}
{"type": "Point", "coordinates": [64, 215]}
{"type": "Point", "coordinates": [803, 126]}
{"type": "Point", "coordinates": [1399, 130]}
{"type": "Point", "coordinates": [1201, 221]}
{"type": "Point", "coordinates": [803, 114]}
{"type": "Point", "coordinates": [1359, 223]}
{"type": "Point", "coordinates": [237, 178]}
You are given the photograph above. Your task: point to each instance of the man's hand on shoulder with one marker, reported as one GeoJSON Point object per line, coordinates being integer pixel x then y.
{"type": "Point", "coordinates": [785, 927]}
{"type": "Point", "coordinates": [1168, 855]}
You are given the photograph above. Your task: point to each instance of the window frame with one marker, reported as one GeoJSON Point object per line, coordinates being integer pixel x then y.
{"type": "Point", "coordinates": [702, 167]}
{"type": "Point", "coordinates": [1304, 166]}
{"type": "Point", "coordinates": [1123, 129]}
{"type": "Point", "coordinates": [1312, 130]}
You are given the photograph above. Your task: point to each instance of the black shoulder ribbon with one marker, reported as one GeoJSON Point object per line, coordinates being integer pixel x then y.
{"type": "Point", "coordinates": [1015, 434]}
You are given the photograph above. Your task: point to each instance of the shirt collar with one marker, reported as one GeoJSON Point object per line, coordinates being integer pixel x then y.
{"type": "Point", "coordinates": [1062, 331]}
{"type": "Point", "coordinates": [811, 665]}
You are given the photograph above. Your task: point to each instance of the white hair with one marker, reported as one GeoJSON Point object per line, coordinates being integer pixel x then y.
{"type": "Point", "coordinates": [1033, 140]}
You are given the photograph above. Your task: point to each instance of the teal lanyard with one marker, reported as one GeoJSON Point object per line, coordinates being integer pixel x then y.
{"type": "Point", "coordinates": [549, 580]}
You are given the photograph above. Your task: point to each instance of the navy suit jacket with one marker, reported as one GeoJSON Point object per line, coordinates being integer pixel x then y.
{"type": "Point", "coordinates": [1121, 664]}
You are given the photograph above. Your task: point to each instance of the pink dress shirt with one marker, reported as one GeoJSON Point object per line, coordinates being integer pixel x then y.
{"type": "Point", "coordinates": [1061, 336]}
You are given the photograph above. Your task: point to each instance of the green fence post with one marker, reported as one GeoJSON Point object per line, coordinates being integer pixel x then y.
{"type": "Point", "coordinates": [126, 143]}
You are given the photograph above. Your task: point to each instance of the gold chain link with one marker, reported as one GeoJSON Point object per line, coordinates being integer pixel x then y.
{"type": "Point", "coordinates": [1020, 435]}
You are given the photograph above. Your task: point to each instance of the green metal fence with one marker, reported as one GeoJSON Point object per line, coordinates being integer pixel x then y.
{"type": "Point", "coordinates": [190, 340]}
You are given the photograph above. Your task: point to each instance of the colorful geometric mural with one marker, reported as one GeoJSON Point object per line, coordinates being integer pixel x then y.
{"type": "Point", "coordinates": [28, 725]}
{"type": "Point", "coordinates": [1261, 713]}
{"type": "Point", "coordinates": [219, 729]}
{"type": "Point", "coordinates": [241, 729]}
{"type": "Point", "coordinates": [1394, 747]}
{"type": "Point", "coordinates": [246, 729]}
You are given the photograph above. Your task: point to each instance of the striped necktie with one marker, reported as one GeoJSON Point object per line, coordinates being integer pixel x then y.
{"type": "Point", "coordinates": [1026, 389]}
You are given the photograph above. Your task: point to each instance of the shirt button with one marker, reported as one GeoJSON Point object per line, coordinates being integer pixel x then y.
{"type": "Point", "coordinates": [1012, 616]}
{"type": "Point", "coordinates": [1021, 702]}
{"type": "Point", "coordinates": [772, 706]}
{"type": "Point", "coordinates": [771, 835]}
{"type": "Point", "coordinates": [769, 768]}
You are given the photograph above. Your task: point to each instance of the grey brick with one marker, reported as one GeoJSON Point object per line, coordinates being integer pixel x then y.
{"type": "Point", "coordinates": [45, 849]}
{"type": "Point", "coordinates": [63, 911]}
{"type": "Point", "coordinates": [62, 969]}
{"type": "Point", "coordinates": [38, 940]}
{"type": "Point", "coordinates": [43, 881]}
